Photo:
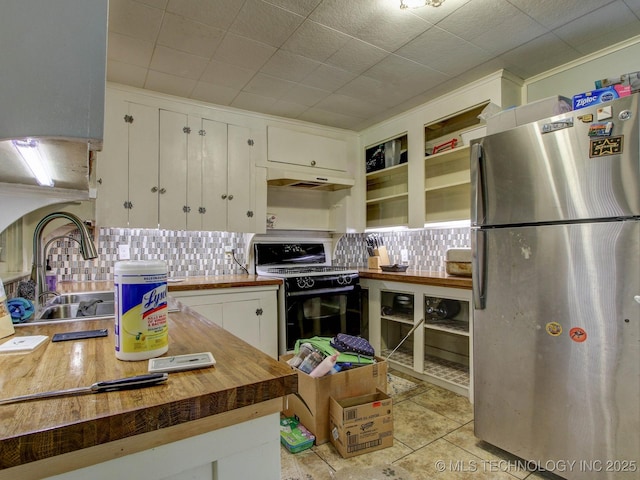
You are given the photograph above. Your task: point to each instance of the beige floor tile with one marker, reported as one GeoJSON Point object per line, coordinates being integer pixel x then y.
{"type": "Point", "coordinates": [443, 460]}
{"type": "Point", "coordinates": [415, 425]}
{"type": "Point", "coordinates": [379, 457]}
{"type": "Point", "coordinates": [303, 465]}
{"type": "Point", "coordinates": [446, 403]}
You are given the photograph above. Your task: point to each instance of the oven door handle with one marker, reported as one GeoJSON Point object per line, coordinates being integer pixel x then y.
{"type": "Point", "coordinates": [321, 291]}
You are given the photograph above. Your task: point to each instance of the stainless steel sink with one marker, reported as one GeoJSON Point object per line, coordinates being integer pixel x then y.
{"type": "Point", "coordinates": [69, 311]}
{"type": "Point", "coordinates": [67, 307]}
{"type": "Point", "coordinates": [81, 297]}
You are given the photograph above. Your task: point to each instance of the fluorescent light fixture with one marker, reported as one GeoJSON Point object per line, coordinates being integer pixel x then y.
{"type": "Point", "coordinates": [28, 150]}
{"type": "Point", "coordinates": [419, 3]}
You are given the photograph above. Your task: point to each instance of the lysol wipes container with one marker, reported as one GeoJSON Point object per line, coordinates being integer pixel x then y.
{"type": "Point", "coordinates": [141, 329]}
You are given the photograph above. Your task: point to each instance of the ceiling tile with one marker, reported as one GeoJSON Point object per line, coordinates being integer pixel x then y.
{"type": "Point", "coordinates": [391, 28]}
{"type": "Point", "coordinates": [226, 75]}
{"type": "Point", "coordinates": [356, 56]}
{"type": "Point", "coordinates": [328, 78]}
{"type": "Point", "coordinates": [301, 7]}
{"type": "Point", "coordinates": [282, 108]}
{"type": "Point", "coordinates": [588, 33]}
{"type": "Point", "coordinates": [177, 63]}
{"type": "Point", "coordinates": [443, 52]}
{"type": "Point", "coordinates": [538, 55]}
{"type": "Point", "coordinates": [634, 5]}
{"type": "Point", "coordinates": [133, 51]}
{"type": "Point", "coordinates": [155, 3]}
{"type": "Point", "coordinates": [180, 33]}
{"type": "Point", "coordinates": [218, 94]}
{"type": "Point", "coordinates": [338, 120]}
{"type": "Point", "coordinates": [134, 19]}
{"type": "Point", "coordinates": [265, 23]}
{"type": "Point", "coordinates": [315, 41]}
{"type": "Point", "coordinates": [555, 14]}
{"type": "Point", "coordinates": [253, 102]}
{"type": "Point", "coordinates": [289, 66]}
{"type": "Point", "coordinates": [435, 14]}
{"type": "Point", "coordinates": [348, 16]}
{"type": "Point", "coordinates": [169, 84]}
{"type": "Point", "coordinates": [243, 52]}
{"type": "Point", "coordinates": [348, 106]}
{"type": "Point", "coordinates": [268, 86]}
{"type": "Point", "coordinates": [126, 74]}
{"type": "Point", "coordinates": [516, 30]}
{"type": "Point", "coordinates": [393, 68]}
{"type": "Point", "coordinates": [305, 95]}
{"type": "Point", "coordinates": [216, 13]}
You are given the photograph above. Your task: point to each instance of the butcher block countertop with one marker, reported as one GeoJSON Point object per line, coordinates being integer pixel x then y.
{"type": "Point", "coordinates": [244, 384]}
{"type": "Point", "coordinates": [420, 277]}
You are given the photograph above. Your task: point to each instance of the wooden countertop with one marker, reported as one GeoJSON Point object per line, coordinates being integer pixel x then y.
{"type": "Point", "coordinates": [30, 431]}
{"type": "Point", "coordinates": [185, 283]}
{"type": "Point", "coordinates": [420, 277]}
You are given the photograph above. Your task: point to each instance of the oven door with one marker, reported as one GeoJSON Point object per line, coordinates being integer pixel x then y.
{"type": "Point", "coordinates": [323, 313]}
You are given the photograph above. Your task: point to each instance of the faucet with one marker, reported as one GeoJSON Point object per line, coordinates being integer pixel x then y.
{"type": "Point", "coordinates": [87, 248]}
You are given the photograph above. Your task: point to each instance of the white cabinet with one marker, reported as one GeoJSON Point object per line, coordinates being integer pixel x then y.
{"type": "Point", "coordinates": [250, 313]}
{"type": "Point", "coordinates": [440, 349]}
{"type": "Point", "coordinates": [306, 150]}
{"type": "Point", "coordinates": [166, 168]}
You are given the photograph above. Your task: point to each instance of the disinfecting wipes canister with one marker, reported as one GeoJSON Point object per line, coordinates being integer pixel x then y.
{"type": "Point", "coordinates": [141, 329]}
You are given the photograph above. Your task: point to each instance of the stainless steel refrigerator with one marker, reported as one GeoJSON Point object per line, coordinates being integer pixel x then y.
{"type": "Point", "coordinates": [556, 274]}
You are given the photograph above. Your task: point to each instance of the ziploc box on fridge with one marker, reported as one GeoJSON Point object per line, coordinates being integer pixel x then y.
{"type": "Point", "coordinates": [361, 424]}
{"type": "Point", "coordinates": [311, 404]}
{"type": "Point", "coordinates": [600, 95]}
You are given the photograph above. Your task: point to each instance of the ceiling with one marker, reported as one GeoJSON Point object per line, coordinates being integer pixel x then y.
{"type": "Point", "coordinates": [347, 63]}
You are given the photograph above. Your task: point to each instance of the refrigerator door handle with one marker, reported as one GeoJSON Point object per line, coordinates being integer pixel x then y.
{"type": "Point", "coordinates": [477, 183]}
{"type": "Point", "coordinates": [478, 266]}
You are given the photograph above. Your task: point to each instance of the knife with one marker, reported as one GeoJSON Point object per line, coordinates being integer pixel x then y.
{"type": "Point", "coordinates": [138, 381]}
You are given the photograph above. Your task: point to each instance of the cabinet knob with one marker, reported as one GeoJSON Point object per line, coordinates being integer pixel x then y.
{"type": "Point", "coordinates": [230, 197]}
{"type": "Point", "coordinates": [154, 189]}
{"type": "Point", "coordinates": [99, 181]}
{"type": "Point", "coordinates": [223, 196]}
{"type": "Point", "coordinates": [202, 210]}
{"type": "Point", "coordinates": [250, 213]}
{"type": "Point", "coordinates": [259, 311]}
{"type": "Point", "coordinates": [313, 163]}
{"type": "Point", "coordinates": [163, 190]}
{"type": "Point", "coordinates": [186, 209]}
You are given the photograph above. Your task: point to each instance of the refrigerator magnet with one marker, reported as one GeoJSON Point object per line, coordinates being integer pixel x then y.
{"type": "Point", "coordinates": [554, 329]}
{"type": "Point", "coordinates": [577, 334]}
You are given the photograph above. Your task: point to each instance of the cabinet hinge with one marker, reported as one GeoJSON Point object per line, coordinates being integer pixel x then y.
{"type": "Point", "coordinates": [128, 119]}
{"type": "Point", "coordinates": [186, 129]}
{"type": "Point", "coordinates": [202, 133]}
{"type": "Point", "coordinates": [250, 142]}
{"type": "Point", "coordinates": [250, 213]}
{"type": "Point", "coordinates": [259, 311]}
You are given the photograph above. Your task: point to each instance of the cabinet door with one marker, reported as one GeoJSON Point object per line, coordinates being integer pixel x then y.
{"type": "Point", "coordinates": [305, 149]}
{"type": "Point", "coordinates": [240, 181]}
{"type": "Point", "coordinates": [112, 167]}
{"type": "Point", "coordinates": [172, 184]}
{"type": "Point", "coordinates": [195, 146]}
{"type": "Point", "coordinates": [143, 166]}
{"type": "Point", "coordinates": [214, 175]}
{"type": "Point", "coordinates": [243, 319]}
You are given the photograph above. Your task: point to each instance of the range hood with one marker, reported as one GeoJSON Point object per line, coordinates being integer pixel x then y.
{"type": "Point", "coordinates": [52, 88]}
{"type": "Point", "coordinates": [282, 177]}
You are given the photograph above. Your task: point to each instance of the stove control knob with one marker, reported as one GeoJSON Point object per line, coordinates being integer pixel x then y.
{"type": "Point", "coordinates": [344, 280]}
{"type": "Point", "coordinates": [304, 282]}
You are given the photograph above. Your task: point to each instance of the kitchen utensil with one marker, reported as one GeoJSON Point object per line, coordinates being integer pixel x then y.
{"type": "Point", "coordinates": [128, 383]}
{"type": "Point", "coordinates": [381, 252]}
{"type": "Point", "coordinates": [405, 337]}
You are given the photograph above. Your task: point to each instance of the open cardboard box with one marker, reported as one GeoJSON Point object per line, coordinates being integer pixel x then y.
{"type": "Point", "coordinates": [311, 403]}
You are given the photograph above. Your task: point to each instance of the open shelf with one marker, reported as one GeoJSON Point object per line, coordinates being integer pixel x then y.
{"type": "Point", "coordinates": [458, 327]}
{"type": "Point", "coordinates": [445, 370]}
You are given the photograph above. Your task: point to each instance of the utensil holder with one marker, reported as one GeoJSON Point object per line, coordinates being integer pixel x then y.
{"type": "Point", "coordinates": [374, 263]}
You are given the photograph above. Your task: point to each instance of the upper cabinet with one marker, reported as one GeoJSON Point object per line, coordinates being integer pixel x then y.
{"type": "Point", "coordinates": [292, 147]}
{"type": "Point", "coordinates": [165, 167]}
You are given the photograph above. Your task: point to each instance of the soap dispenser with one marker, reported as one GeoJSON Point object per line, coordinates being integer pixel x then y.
{"type": "Point", "coordinates": [51, 279]}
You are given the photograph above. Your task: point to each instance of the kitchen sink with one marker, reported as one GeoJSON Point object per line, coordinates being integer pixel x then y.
{"type": "Point", "coordinates": [66, 298]}
{"type": "Point", "coordinates": [76, 306]}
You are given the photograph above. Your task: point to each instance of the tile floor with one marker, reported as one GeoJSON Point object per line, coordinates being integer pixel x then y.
{"type": "Point", "coordinates": [433, 428]}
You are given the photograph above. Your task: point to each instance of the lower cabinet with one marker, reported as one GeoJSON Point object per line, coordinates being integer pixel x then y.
{"type": "Point", "coordinates": [250, 313]}
{"type": "Point", "coordinates": [425, 331]}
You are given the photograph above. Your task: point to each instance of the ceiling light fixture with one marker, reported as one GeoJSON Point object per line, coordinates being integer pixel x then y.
{"type": "Point", "coordinates": [30, 153]}
{"type": "Point", "coordinates": [420, 3]}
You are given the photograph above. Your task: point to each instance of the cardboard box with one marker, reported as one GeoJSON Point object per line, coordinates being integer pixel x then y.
{"type": "Point", "coordinates": [361, 424]}
{"type": "Point", "coordinates": [311, 403]}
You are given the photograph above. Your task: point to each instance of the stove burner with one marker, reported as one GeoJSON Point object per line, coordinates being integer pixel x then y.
{"type": "Point", "coordinates": [289, 270]}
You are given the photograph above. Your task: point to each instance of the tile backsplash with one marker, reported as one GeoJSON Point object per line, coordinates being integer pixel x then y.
{"type": "Point", "coordinates": [202, 253]}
